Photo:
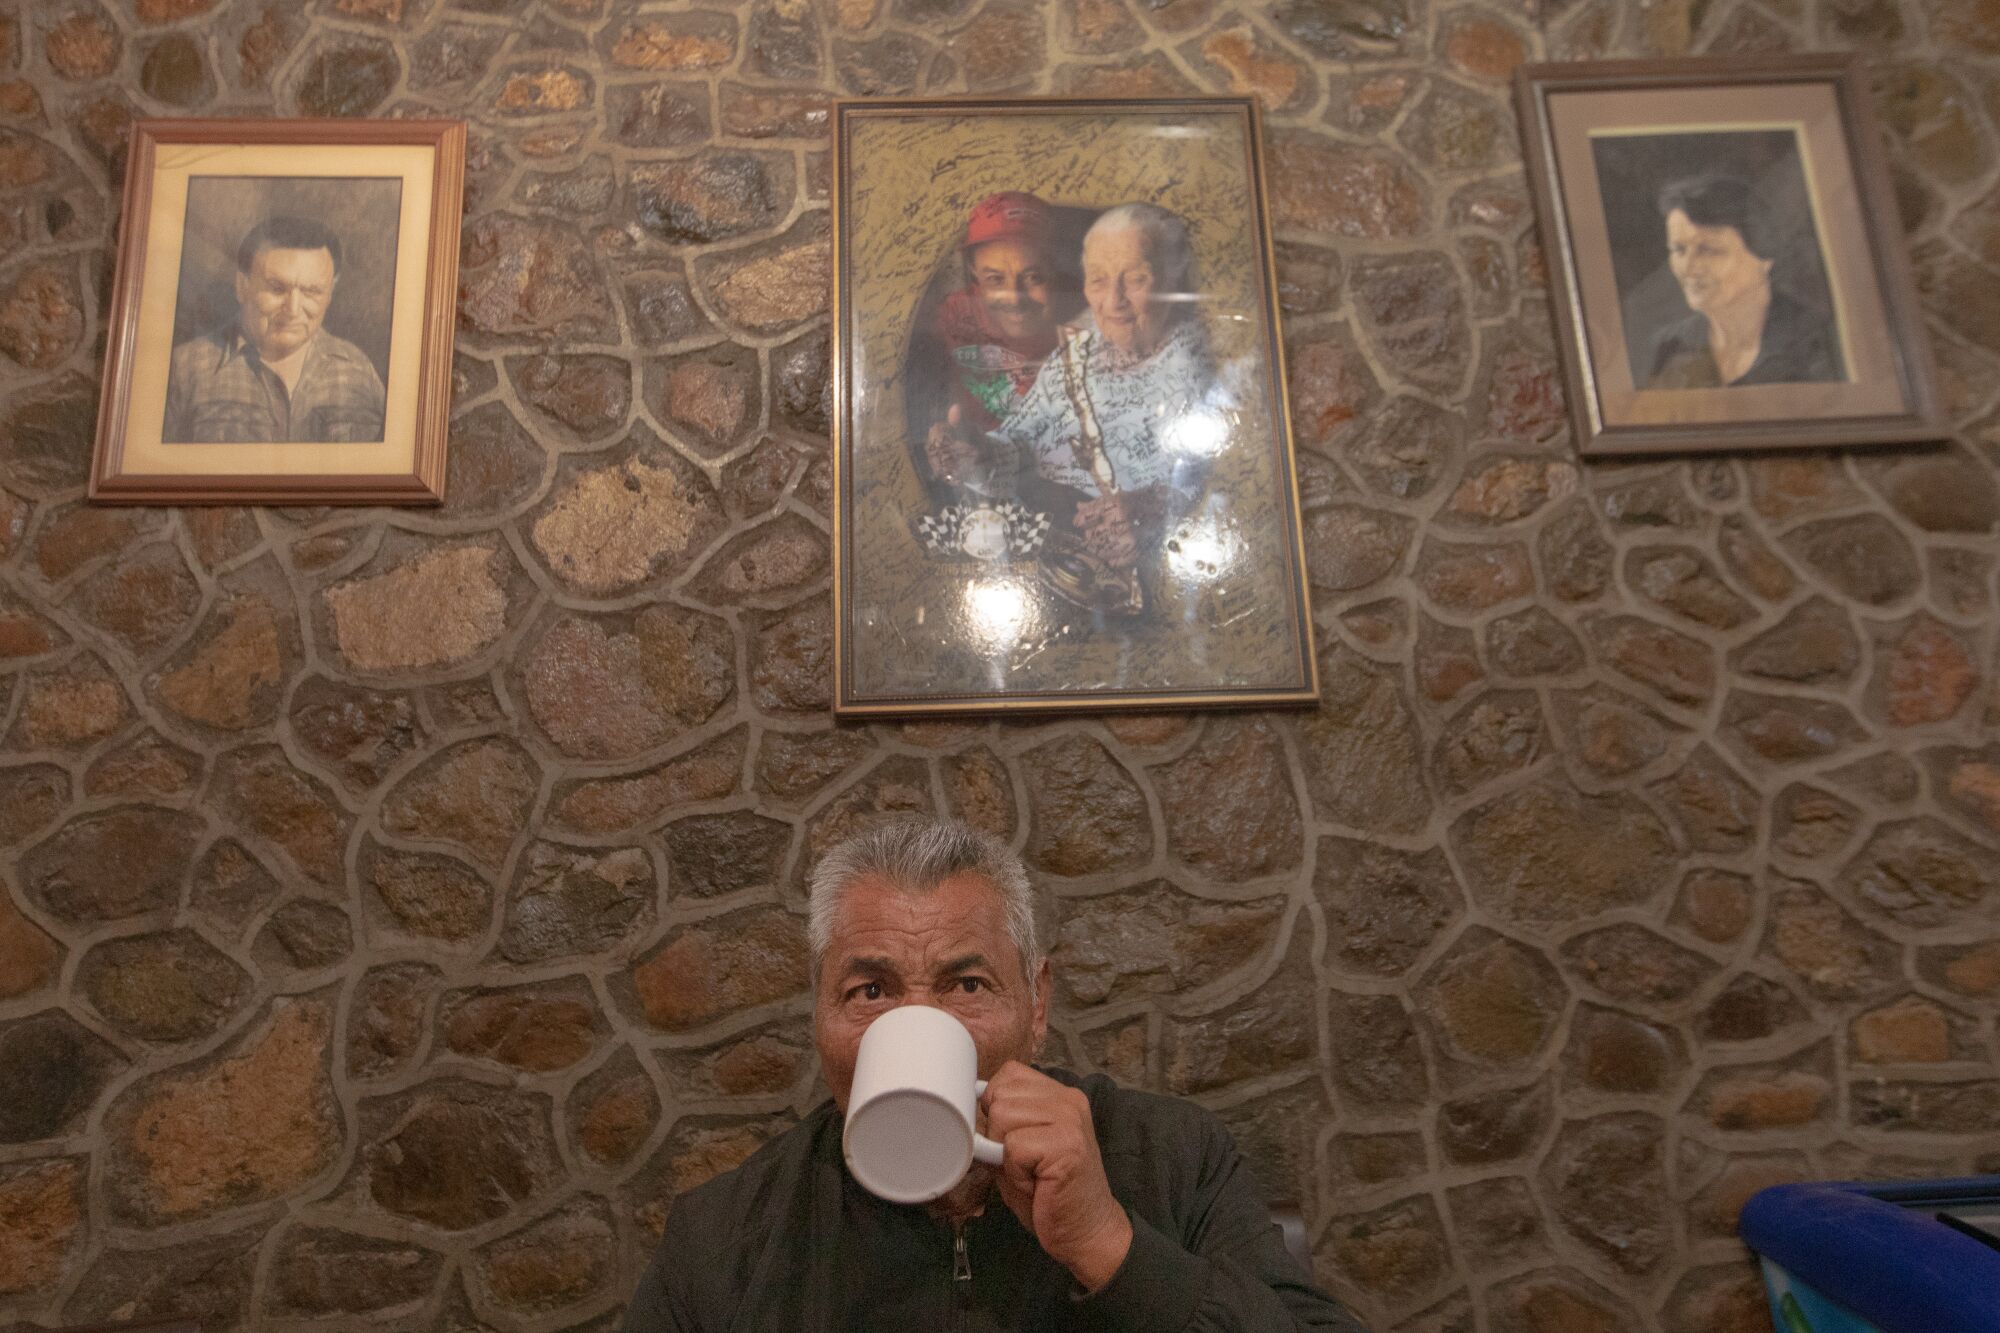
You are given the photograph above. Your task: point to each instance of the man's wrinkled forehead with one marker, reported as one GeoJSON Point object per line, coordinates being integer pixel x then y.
{"type": "Point", "coordinates": [873, 907]}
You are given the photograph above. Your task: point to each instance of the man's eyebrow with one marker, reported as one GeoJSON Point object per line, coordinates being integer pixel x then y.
{"type": "Point", "coordinates": [964, 963]}
{"type": "Point", "coordinates": [868, 967]}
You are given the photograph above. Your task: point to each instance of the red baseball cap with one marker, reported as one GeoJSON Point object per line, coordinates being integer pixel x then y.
{"type": "Point", "coordinates": [1009, 216]}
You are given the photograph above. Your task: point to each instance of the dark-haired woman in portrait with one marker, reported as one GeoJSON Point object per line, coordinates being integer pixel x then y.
{"type": "Point", "coordinates": [1721, 247]}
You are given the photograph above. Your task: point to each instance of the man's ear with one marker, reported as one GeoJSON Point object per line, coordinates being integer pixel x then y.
{"type": "Point", "coordinates": [1044, 984]}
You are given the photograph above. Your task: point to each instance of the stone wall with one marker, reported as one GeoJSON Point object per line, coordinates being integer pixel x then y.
{"type": "Point", "coordinates": [400, 906]}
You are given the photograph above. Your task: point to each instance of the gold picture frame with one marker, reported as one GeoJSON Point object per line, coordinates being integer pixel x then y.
{"type": "Point", "coordinates": [282, 314]}
{"type": "Point", "coordinates": [1063, 463]}
{"type": "Point", "coordinates": [1725, 259]}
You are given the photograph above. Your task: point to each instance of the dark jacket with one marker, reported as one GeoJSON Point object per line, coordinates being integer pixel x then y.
{"type": "Point", "coordinates": [789, 1242]}
{"type": "Point", "coordinates": [1797, 347]}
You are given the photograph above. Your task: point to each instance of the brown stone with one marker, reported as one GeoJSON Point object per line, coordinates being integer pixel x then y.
{"type": "Point", "coordinates": [607, 693]}
{"type": "Point", "coordinates": [979, 791]}
{"type": "Point", "coordinates": [1683, 582]}
{"type": "Point", "coordinates": [1532, 643]}
{"type": "Point", "coordinates": [1383, 907]}
{"type": "Point", "coordinates": [1500, 733]}
{"type": "Point", "coordinates": [713, 393]}
{"type": "Point", "coordinates": [1943, 492]}
{"type": "Point", "coordinates": [256, 1125]}
{"type": "Point", "coordinates": [1154, 940]}
{"type": "Point", "coordinates": [1772, 1100]}
{"type": "Point", "coordinates": [305, 936]}
{"type": "Point", "coordinates": [1086, 814]}
{"type": "Point", "coordinates": [1496, 1222]}
{"type": "Point", "coordinates": [476, 794]}
{"type": "Point", "coordinates": [772, 113]}
{"type": "Point", "coordinates": [1494, 1126]}
{"type": "Point", "coordinates": [1575, 553]}
{"type": "Point", "coordinates": [790, 660]}
{"type": "Point", "coordinates": [455, 1154]}
{"type": "Point", "coordinates": [1360, 749]}
{"type": "Point", "coordinates": [74, 538]}
{"type": "Point", "coordinates": [440, 607]}
{"type": "Point", "coordinates": [347, 77]}
{"type": "Point", "coordinates": [1716, 809]}
{"type": "Point", "coordinates": [1493, 1001]}
{"type": "Point", "coordinates": [231, 682]}
{"type": "Point", "coordinates": [1910, 1031]}
{"type": "Point", "coordinates": [452, 56]}
{"type": "Point", "coordinates": [1229, 807]}
{"type": "Point", "coordinates": [721, 966]}
{"type": "Point", "coordinates": [1377, 1057]}
{"type": "Point", "coordinates": [29, 958]}
{"type": "Point", "coordinates": [536, 1030]}
{"type": "Point", "coordinates": [1324, 187]}
{"type": "Point", "coordinates": [589, 394]}
{"type": "Point", "coordinates": [41, 319]}
{"type": "Point", "coordinates": [1808, 822]}
{"type": "Point", "coordinates": [709, 856]}
{"type": "Point", "coordinates": [1397, 1252]}
{"type": "Point", "coordinates": [614, 805]}
{"type": "Point", "coordinates": [657, 115]}
{"type": "Point", "coordinates": [387, 1020]}
{"type": "Point", "coordinates": [229, 886]}
{"type": "Point", "coordinates": [285, 807]}
{"type": "Point", "coordinates": [1785, 730]}
{"type": "Point", "coordinates": [1753, 562]}
{"type": "Point", "coordinates": [1814, 644]}
{"type": "Point", "coordinates": [1268, 1031]}
{"type": "Point", "coordinates": [533, 92]}
{"type": "Point", "coordinates": [1614, 1052]}
{"type": "Point", "coordinates": [791, 767]}
{"type": "Point", "coordinates": [615, 1111]}
{"type": "Point", "coordinates": [1606, 1184]}
{"type": "Point", "coordinates": [82, 46]}
{"type": "Point", "coordinates": [1787, 486]}
{"type": "Point", "coordinates": [1968, 1108]}
{"type": "Point", "coordinates": [1097, 27]}
{"type": "Point", "coordinates": [560, 1260]}
{"type": "Point", "coordinates": [318, 1271]}
{"type": "Point", "coordinates": [1863, 558]}
{"type": "Point", "coordinates": [1828, 950]}
{"type": "Point", "coordinates": [172, 986]}
{"type": "Point", "coordinates": [1631, 963]}
{"type": "Point", "coordinates": [361, 734]}
{"type": "Point", "coordinates": [1372, 1159]}
{"type": "Point", "coordinates": [712, 197]}
{"type": "Point", "coordinates": [767, 562]}
{"type": "Point", "coordinates": [1473, 578]}
{"type": "Point", "coordinates": [70, 708]}
{"type": "Point", "coordinates": [1921, 873]}
{"type": "Point", "coordinates": [1506, 489]}
{"type": "Point", "coordinates": [1548, 853]}
{"type": "Point", "coordinates": [174, 72]}
{"type": "Point", "coordinates": [778, 288]}
{"type": "Point", "coordinates": [1929, 675]}
{"type": "Point", "coordinates": [1680, 669]}
{"type": "Point", "coordinates": [54, 1070]}
{"type": "Point", "coordinates": [1749, 1008]}
{"type": "Point", "coordinates": [143, 600]}
{"type": "Point", "coordinates": [41, 1219]}
{"type": "Point", "coordinates": [1332, 387]}
{"type": "Point", "coordinates": [1454, 129]}
{"type": "Point", "coordinates": [1348, 547]}
{"type": "Point", "coordinates": [111, 865]}
{"type": "Point", "coordinates": [518, 276]}
{"type": "Point", "coordinates": [1483, 48]}
{"type": "Point", "coordinates": [1256, 68]}
{"type": "Point", "coordinates": [567, 902]}
{"type": "Point", "coordinates": [612, 527]}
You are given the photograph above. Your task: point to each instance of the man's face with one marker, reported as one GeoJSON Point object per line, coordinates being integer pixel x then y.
{"type": "Point", "coordinates": [948, 948]}
{"type": "Point", "coordinates": [1713, 265]}
{"type": "Point", "coordinates": [283, 298]}
{"type": "Point", "coordinates": [1119, 280]}
{"type": "Point", "coordinates": [1013, 281]}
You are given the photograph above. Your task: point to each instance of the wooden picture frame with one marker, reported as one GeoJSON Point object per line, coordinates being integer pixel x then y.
{"type": "Point", "coordinates": [1663, 188]}
{"type": "Point", "coordinates": [335, 342]}
{"type": "Point", "coordinates": [1051, 494]}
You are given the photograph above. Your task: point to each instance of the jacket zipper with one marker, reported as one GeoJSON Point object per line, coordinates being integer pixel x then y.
{"type": "Point", "coordinates": [961, 1275]}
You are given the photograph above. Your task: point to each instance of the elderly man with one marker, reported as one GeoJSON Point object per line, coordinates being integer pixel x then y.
{"type": "Point", "coordinates": [1122, 421]}
{"type": "Point", "coordinates": [1113, 1209]}
{"type": "Point", "coordinates": [274, 375]}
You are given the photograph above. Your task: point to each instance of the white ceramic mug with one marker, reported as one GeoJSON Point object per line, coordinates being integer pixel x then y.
{"type": "Point", "coordinates": [910, 1113]}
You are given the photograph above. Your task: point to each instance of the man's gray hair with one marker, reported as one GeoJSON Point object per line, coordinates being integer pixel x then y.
{"type": "Point", "coordinates": [1167, 240]}
{"type": "Point", "coordinates": [917, 855]}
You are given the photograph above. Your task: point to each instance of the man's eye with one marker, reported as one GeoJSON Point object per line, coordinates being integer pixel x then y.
{"type": "Point", "coordinates": [867, 990]}
{"type": "Point", "coordinates": [970, 985]}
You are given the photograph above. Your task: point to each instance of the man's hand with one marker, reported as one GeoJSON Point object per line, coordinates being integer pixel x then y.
{"type": "Point", "coordinates": [1053, 1177]}
{"type": "Point", "coordinates": [954, 449]}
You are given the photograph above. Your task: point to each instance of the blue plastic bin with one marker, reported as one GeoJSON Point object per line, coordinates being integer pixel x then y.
{"type": "Point", "coordinates": [1897, 1257]}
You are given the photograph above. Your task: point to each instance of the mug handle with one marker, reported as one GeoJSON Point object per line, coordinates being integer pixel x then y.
{"type": "Point", "coordinates": [985, 1149]}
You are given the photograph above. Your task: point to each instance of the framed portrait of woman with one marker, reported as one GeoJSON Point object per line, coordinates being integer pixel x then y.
{"type": "Point", "coordinates": [1063, 466]}
{"type": "Point", "coordinates": [281, 324]}
{"type": "Point", "coordinates": [1725, 258]}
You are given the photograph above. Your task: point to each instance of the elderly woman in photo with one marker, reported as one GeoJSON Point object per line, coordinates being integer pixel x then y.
{"type": "Point", "coordinates": [1721, 248]}
{"type": "Point", "coordinates": [1122, 419]}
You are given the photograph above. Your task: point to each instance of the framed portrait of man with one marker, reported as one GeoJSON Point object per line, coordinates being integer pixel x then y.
{"type": "Point", "coordinates": [1063, 466]}
{"type": "Point", "coordinates": [281, 324]}
{"type": "Point", "coordinates": [1725, 257]}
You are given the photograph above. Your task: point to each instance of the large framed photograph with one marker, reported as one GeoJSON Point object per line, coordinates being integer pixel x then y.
{"type": "Point", "coordinates": [1062, 457]}
{"type": "Point", "coordinates": [1726, 261]}
{"type": "Point", "coordinates": [281, 323]}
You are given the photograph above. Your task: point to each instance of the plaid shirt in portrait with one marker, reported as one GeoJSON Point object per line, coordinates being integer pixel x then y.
{"type": "Point", "coordinates": [220, 392]}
